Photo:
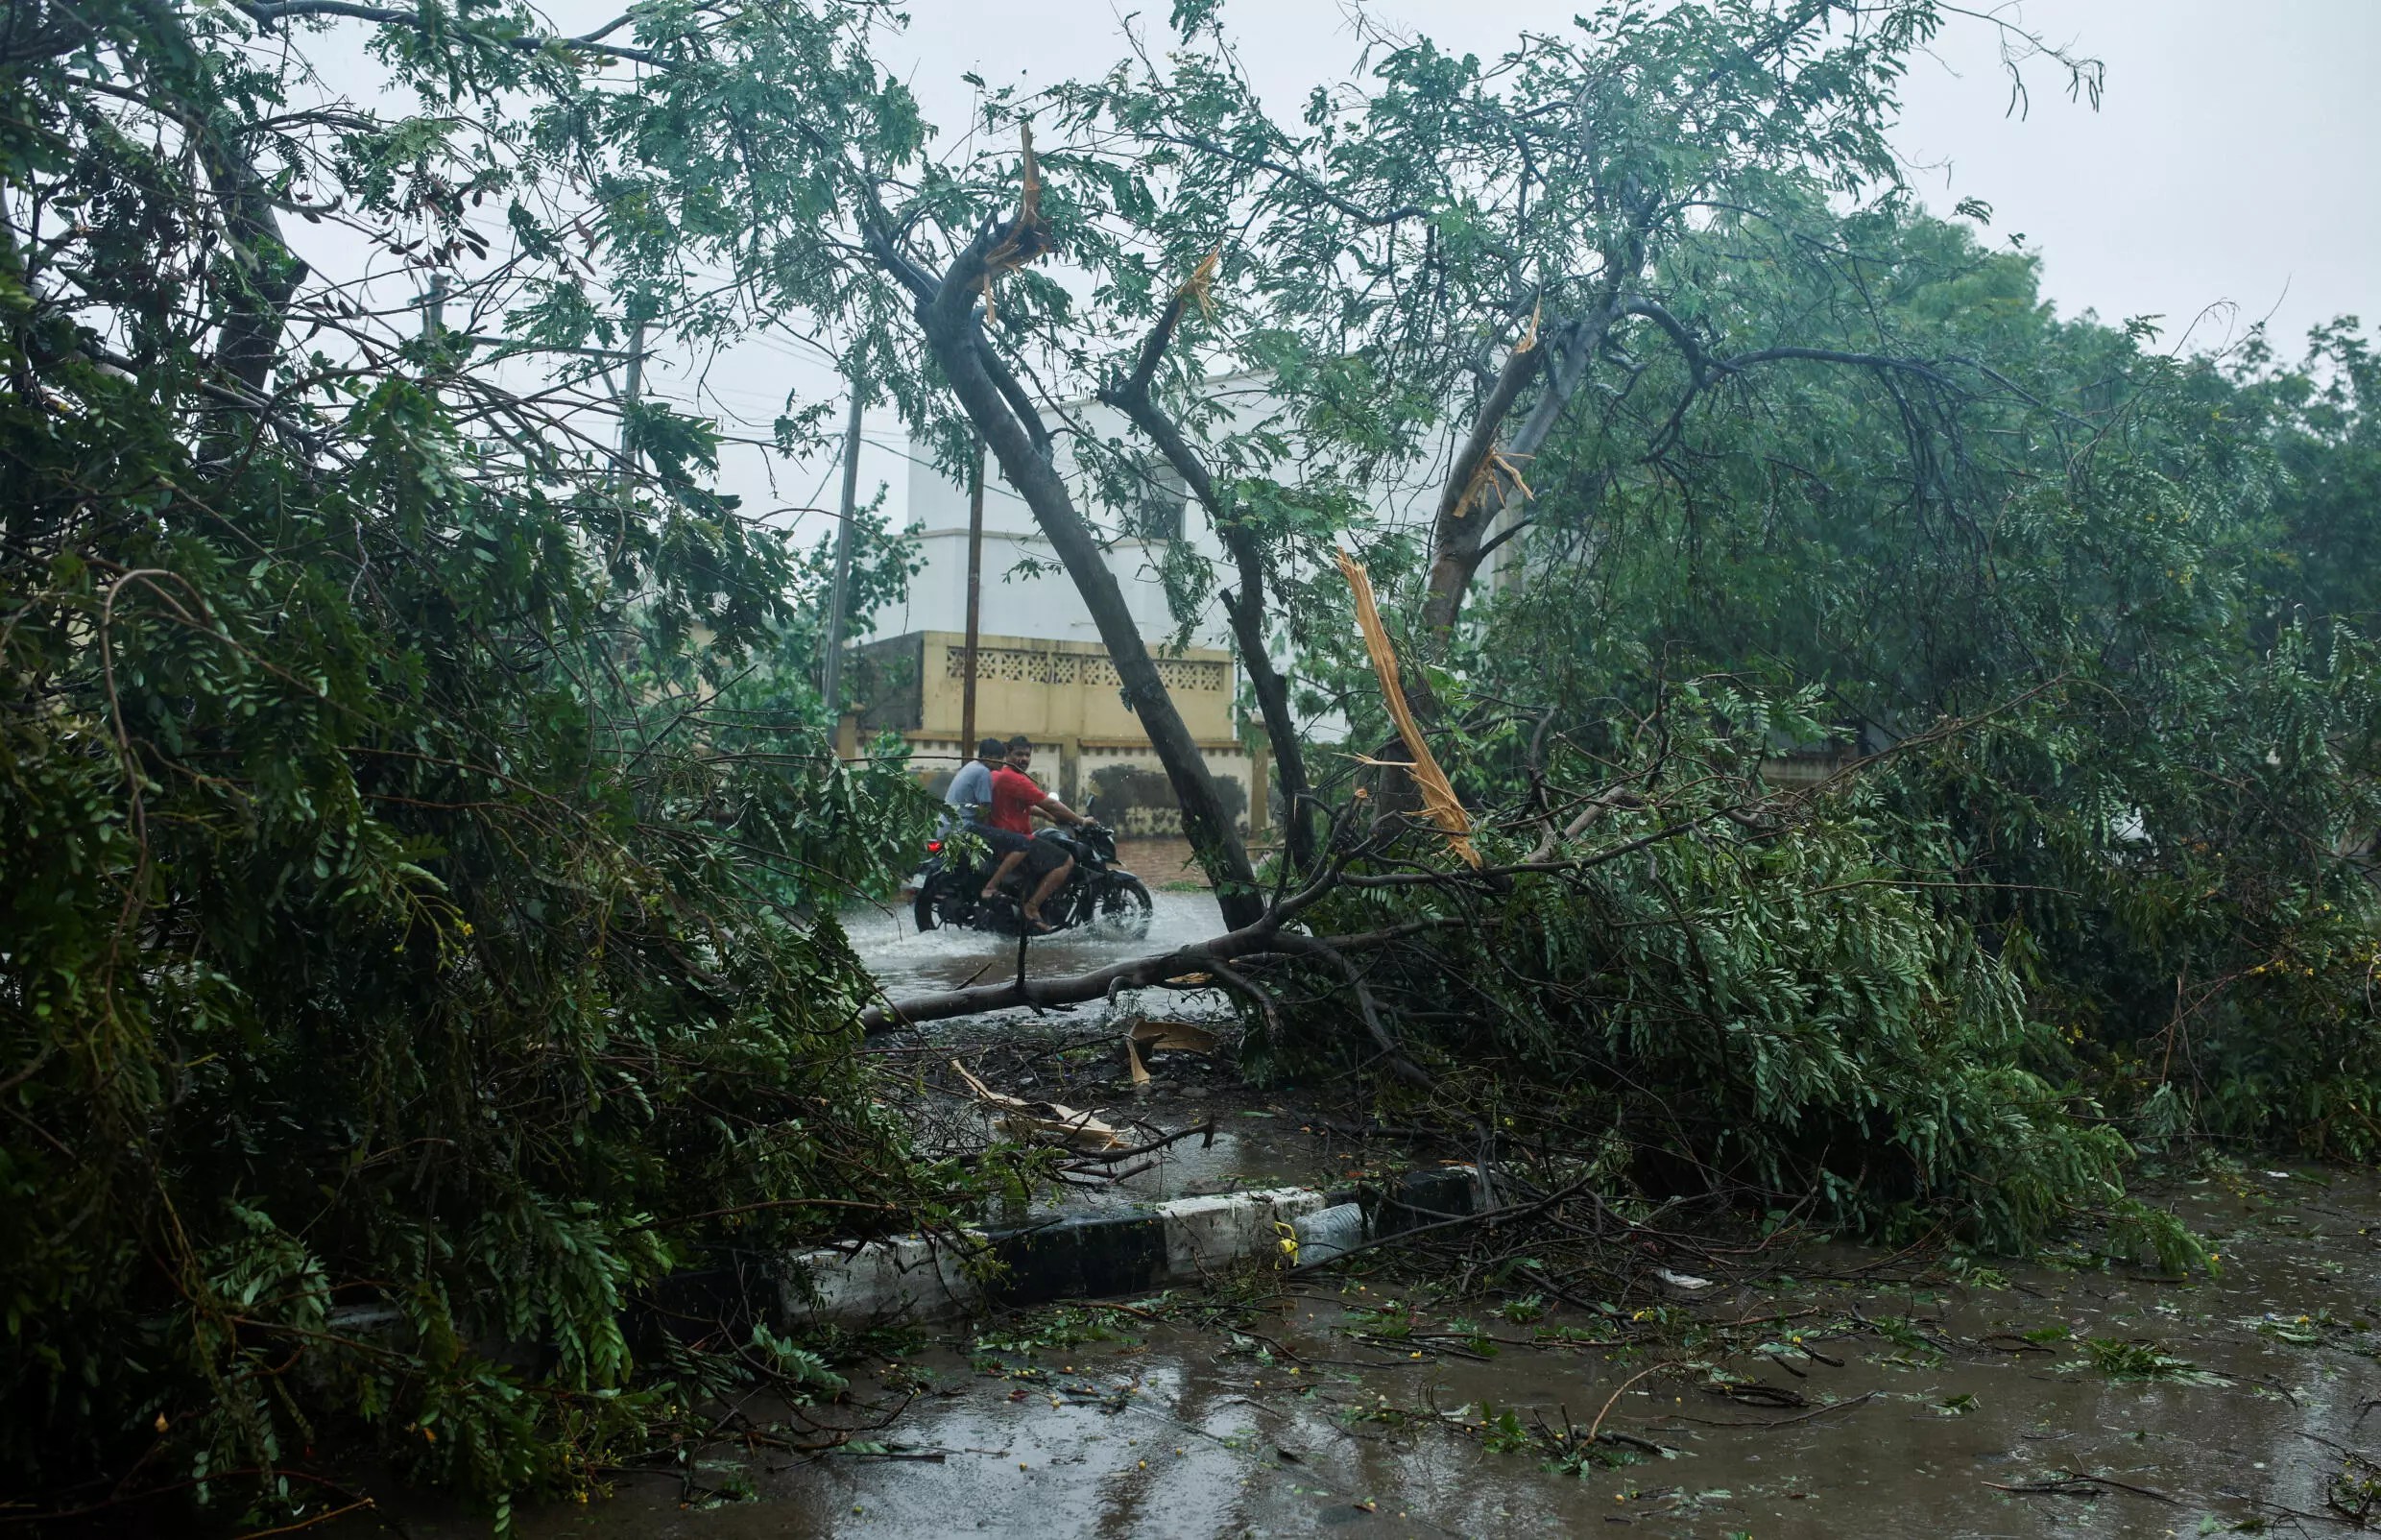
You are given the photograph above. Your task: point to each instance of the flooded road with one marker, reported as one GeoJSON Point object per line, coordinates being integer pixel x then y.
{"type": "Point", "coordinates": [2038, 1402]}
{"type": "Point", "coordinates": [906, 961]}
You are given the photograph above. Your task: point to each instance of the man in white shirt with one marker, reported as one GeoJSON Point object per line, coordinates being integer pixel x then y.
{"type": "Point", "coordinates": [970, 813]}
{"type": "Point", "coordinates": [970, 797]}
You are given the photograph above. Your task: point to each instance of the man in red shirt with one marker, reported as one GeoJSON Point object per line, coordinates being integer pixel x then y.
{"type": "Point", "coordinates": [1016, 797]}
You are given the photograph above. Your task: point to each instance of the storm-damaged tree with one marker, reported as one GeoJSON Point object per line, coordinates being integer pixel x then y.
{"type": "Point", "coordinates": [1427, 271]}
{"type": "Point", "coordinates": [335, 824]}
{"type": "Point", "coordinates": [951, 309]}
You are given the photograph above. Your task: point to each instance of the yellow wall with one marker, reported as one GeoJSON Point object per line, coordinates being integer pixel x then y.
{"type": "Point", "coordinates": [1065, 690]}
{"type": "Point", "coordinates": [1062, 694]}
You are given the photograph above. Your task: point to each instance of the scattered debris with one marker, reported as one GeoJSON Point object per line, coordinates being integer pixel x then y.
{"type": "Point", "coordinates": [1176, 1037]}
{"type": "Point", "coordinates": [1023, 1120]}
{"type": "Point", "coordinates": [2079, 1483]}
{"type": "Point", "coordinates": [1173, 1037]}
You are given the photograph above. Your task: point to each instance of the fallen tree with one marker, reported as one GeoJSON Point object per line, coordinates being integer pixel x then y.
{"type": "Point", "coordinates": [1426, 275]}
{"type": "Point", "coordinates": [1675, 975]}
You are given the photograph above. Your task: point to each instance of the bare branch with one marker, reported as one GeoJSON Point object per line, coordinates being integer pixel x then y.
{"type": "Point", "coordinates": [266, 13]}
{"type": "Point", "coordinates": [1246, 611]}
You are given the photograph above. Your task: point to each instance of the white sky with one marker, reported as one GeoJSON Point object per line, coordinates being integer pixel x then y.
{"type": "Point", "coordinates": [2232, 164]}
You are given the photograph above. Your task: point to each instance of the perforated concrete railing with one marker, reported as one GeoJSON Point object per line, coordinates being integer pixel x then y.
{"type": "Point", "coordinates": [1031, 666]}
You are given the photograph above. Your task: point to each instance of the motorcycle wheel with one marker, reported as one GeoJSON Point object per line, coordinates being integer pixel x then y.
{"type": "Point", "coordinates": [936, 903]}
{"type": "Point", "coordinates": [1122, 909]}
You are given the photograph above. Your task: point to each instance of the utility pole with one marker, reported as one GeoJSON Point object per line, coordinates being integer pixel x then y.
{"type": "Point", "coordinates": [974, 598]}
{"type": "Point", "coordinates": [434, 308]}
{"type": "Point", "coordinates": [839, 598]}
{"type": "Point", "coordinates": [634, 387]}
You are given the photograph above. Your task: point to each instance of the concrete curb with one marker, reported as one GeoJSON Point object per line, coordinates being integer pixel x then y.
{"type": "Point", "coordinates": [919, 1278]}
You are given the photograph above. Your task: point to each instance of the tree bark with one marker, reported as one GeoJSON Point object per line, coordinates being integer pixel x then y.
{"type": "Point", "coordinates": [1472, 500]}
{"type": "Point", "coordinates": [995, 402]}
{"type": "Point", "coordinates": [248, 341]}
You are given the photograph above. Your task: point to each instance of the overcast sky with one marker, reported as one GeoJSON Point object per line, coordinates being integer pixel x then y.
{"type": "Point", "coordinates": [2233, 158]}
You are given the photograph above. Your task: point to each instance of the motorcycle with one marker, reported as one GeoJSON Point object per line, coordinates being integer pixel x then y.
{"type": "Point", "coordinates": [1099, 896]}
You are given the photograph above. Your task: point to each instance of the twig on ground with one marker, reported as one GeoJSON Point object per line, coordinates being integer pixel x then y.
{"type": "Point", "coordinates": [2080, 1483]}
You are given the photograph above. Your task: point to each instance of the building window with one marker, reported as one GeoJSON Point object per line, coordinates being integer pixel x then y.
{"type": "Point", "coordinates": [1155, 496]}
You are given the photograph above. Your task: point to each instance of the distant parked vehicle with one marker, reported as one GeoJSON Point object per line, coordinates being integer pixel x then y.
{"type": "Point", "coordinates": [1100, 895]}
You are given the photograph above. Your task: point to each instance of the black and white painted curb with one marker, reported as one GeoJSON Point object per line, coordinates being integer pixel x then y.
{"type": "Point", "coordinates": [919, 1278]}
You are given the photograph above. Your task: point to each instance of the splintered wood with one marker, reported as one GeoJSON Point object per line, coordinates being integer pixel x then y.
{"type": "Point", "coordinates": [1022, 1120]}
{"type": "Point", "coordinates": [1182, 1037]}
{"type": "Point", "coordinates": [1438, 797]}
{"type": "Point", "coordinates": [1202, 276]}
{"type": "Point", "coordinates": [1498, 472]}
{"type": "Point", "coordinates": [1025, 238]}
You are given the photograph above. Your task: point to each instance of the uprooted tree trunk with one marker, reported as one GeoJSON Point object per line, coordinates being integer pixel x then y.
{"type": "Point", "coordinates": [996, 401]}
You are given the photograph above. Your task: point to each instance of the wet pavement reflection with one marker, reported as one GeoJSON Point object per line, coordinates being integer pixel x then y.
{"type": "Point", "coordinates": [2039, 1401]}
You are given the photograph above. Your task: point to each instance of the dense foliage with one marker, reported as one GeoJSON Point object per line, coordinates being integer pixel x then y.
{"type": "Point", "coordinates": [1638, 324]}
{"type": "Point", "coordinates": [2123, 573]}
{"type": "Point", "coordinates": [414, 826]}
{"type": "Point", "coordinates": [1993, 772]}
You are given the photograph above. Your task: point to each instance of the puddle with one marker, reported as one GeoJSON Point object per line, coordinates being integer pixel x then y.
{"type": "Point", "coordinates": [907, 961]}
{"type": "Point", "coordinates": [1912, 1410]}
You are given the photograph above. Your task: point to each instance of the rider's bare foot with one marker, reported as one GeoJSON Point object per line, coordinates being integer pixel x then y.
{"type": "Point", "coordinates": [1039, 926]}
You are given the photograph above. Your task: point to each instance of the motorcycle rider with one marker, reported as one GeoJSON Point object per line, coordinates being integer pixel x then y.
{"type": "Point", "coordinates": [969, 807]}
{"type": "Point", "coordinates": [971, 790]}
{"type": "Point", "coordinates": [1015, 798]}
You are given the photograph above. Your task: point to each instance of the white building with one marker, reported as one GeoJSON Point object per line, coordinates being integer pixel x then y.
{"type": "Point", "coordinates": [1025, 592]}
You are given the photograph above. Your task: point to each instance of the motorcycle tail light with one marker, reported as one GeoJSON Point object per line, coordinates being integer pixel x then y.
{"type": "Point", "coordinates": [934, 847]}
